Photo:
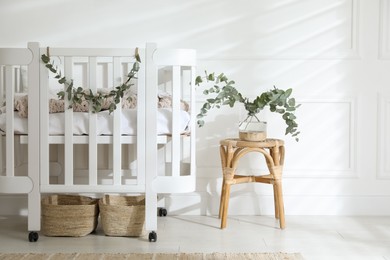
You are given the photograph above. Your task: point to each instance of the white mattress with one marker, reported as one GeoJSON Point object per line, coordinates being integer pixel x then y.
{"type": "Point", "coordinates": [104, 122]}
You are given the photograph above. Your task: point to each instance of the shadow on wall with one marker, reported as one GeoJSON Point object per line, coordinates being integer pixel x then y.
{"type": "Point", "coordinates": [217, 29]}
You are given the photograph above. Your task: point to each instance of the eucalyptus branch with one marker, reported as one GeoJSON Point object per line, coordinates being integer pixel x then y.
{"type": "Point", "coordinates": [224, 93]}
{"type": "Point", "coordinates": [77, 95]}
{"type": "Point", "coordinates": [224, 90]}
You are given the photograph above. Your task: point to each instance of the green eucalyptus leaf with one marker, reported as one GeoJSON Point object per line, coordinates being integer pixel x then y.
{"type": "Point", "coordinates": [61, 95]}
{"type": "Point", "coordinates": [112, 107]}
{"type": "Point", "coordinates": [291, 102]}
{"type": "Point", "coordinates": [45, 58]}
{"type": "Point", "coordinates": [288, 92]}
{"type": "Point", "coordinates": [62, 80]}
{"type": "Point", "coordinates": [136, 55]}
{"type": "Point", "coordinates": [198, 80]}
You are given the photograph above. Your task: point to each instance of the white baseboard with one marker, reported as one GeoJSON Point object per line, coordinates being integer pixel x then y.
{"type": "Point", "coordinates": [246, 203]}
{"type": "Point", "coordinates": [252, 204]}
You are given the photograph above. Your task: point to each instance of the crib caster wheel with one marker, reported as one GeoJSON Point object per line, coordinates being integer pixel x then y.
{"type": "Point", "coordinates": [152, 236]}
{"type": "Point", "coordinates": [33, 236]}
{"type": "Point", "coordinates": [162, 212]}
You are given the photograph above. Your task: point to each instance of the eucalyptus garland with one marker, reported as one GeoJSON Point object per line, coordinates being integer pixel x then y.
{"type": "Point", "coordinates": [224, 92]}
{"type": "Point", "coordinates": [77, 95]}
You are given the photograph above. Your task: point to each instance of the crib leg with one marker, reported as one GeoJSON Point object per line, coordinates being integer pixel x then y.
{"type": "Point", "coordinates": [33, 236]}
{"type": "Point", "coordinates": [152, 236]}
{"type": "Point", "coordinates": [162, 212]}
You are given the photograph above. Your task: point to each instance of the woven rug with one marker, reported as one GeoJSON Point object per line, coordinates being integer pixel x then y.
{"type": "Point", "coordinates": [153, 256]}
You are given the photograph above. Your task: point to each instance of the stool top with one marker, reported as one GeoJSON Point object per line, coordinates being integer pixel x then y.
{"type": "Point", "coordinates": [267, 143]}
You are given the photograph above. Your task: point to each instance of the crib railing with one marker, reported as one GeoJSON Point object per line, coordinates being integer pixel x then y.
{"type": "Point", "coordinates": [180, 64]}
{"type": "Point", "coordinates": [11, 61]}
{"type": "Point", "coordinates": [9, 183]}
{"type": "Point", "coordinates": [118, 59]}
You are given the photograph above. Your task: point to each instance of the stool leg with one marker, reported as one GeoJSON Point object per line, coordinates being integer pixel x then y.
{"type": "Point", "coordinates": [280, 204]}
{"type": "Point", "coordinates": [222, 199]}
{"type": "Point", "coordinates": [276, 200]}
{"type": "Point", "coordinates": [225, 205]}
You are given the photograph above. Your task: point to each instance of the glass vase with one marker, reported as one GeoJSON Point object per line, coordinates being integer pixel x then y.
{"type": "Point", "coordinates": [252, 129]}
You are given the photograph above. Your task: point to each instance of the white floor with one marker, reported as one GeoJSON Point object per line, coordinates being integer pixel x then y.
{"type": "Point", "coordinates": [315, 237]}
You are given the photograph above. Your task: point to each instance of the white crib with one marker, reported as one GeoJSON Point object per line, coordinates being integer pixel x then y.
{"type": "Point", "coordinates": [145, 160]}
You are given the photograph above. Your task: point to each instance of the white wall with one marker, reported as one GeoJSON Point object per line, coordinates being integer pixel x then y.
{"type": "Point", "coordinates": [335, 54]}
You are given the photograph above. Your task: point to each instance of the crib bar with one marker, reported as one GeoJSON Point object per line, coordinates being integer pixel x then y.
{"type": "Point", "coordinates": [176, 95]}
{"type": "Point", "coordinates": [18, 80]}
{"type": "Point", "coordinates": [131, 188]}
{"type": "Point", "coordinates": [10, 155]}
{"type": "Point", "coordinates": [92, 146]}
{"type": "Point", "coordinates": [151, 134]}
{"type": "Point", "coordinates": [141, 122]}
{"type": "Point", "coordinates": [44, 123]}
{"type": "Point", "coordinates": [68, 69]}
{"type": "Point", "coordinates": [117, 149]}
{"type": "Point", "coordinates": [34, 170]}
{"type": "Point", "coordinates": [2, 84]}
{"type": "Point", "coordinates": [92, 52]}
{"type": "Point", "coordinates": [15, 56]}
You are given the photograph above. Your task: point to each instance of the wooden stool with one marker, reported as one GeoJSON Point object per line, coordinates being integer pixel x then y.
{"type": "Point", "coordinates": [231, 152]}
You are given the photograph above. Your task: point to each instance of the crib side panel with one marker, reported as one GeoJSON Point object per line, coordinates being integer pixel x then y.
{"type": "Point", "coordinates": [177, 75]}
{"type": "Point", "coordinates": [12, 62]}
{"type": "Point", "coordinates": [90, 162]}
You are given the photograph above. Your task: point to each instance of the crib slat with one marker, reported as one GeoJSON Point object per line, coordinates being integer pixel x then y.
{"type": "Point", "coordinates": [10, 155]}
{"type": "Point", "coordinates": [44, 124]}
{"type": "Point", "coordinates": [92, 146]}
{"type": "Point", "coordinates": [17, 80]}
{"type": "Point", "coordinates": [150, 109]}
{"type": "Point", "coordinates": [141, 129]}
{"type": "Point", "coordinates": [176, 94]}
{"type": "Point", "coordinates": [117, 148]}
{"type": "Point", "coordinates": [68, 68]}
{"type": "Point", "coordinates": [2, 87]}
{"type": "Point", "coordinates": [34, 167]}
{"type": "Point", "coordinates": [193, 125]}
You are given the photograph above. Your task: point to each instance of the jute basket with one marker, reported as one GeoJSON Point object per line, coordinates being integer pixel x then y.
{"type": "Point", "coordinates": [69, 215]}
{"type": "Point", "coordinates": [122, 215]}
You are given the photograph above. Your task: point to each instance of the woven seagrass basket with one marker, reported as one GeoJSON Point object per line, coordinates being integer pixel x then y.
{"type": "Point", "coordinates": [122, 215]}
{"type": "Point", "coordinates": [69, 215]}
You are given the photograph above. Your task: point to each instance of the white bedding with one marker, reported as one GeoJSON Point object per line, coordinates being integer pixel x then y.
{"type": "Point", "coordinates": [104, 122]}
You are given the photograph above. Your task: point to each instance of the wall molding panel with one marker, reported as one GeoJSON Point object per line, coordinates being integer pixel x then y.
{"type": "Point", "coordinates": [383, 164]}
{"type": "Point", "coordinates": [384, 30]}
{"type": "Point", "coordinates": [308, 45]}
{"type": "Point", "coordinates": [335, 159]}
